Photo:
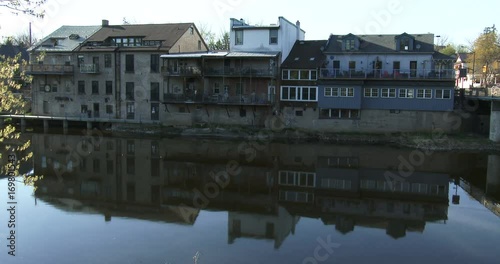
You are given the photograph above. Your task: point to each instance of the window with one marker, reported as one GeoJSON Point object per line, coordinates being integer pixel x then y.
{"type": "Point", "coordinates": [273, 36]}
{"type": "Point", "coordinates": [388, 93]}
{"type": "Point", "coordinates": [371, 92]}
{"type": "Point", "coordinates": [131, 165]}
{"type": "Point", "coordinates": [109, 109]}
{"type": "Point", "coordinates": [443, 94]}
{"type": "Point", "coordinates": [107, 60]}
{"type": "Point", "coordinates": [109, 87]}
{"type": "Point", "coordinates": [129, 91]}
{"type": "Point", "coordinates": [155, 91]}
{"type": "Point", "coordinates": [109, 167]}
{"type": "Point", "coordinates": [336, 92]}
{"type": "Point", "coordinates": [299, 93]}
{"type": "Point", "coordinates": [310, 75]}
{"type": "Point", "coordinates": [81, 87]}
{"type": "Point", "coordinates": [84, 109]}
{"type": "Point", "coordinates": [424, 93]}
{"type": "Point", "coordinates": [352, 66]}
{"type": "Point", "coordinates": [199, 44]}
{"type": "Point", "coordinates": [295, 178]}
{"type": "Point", "coordinates": [239, 37]}
{"type": "Point", "coordinates": [155, 63]}
{"type": "Point", "coordinates": [129, 63]}
{"type": "Point", "coordinates": [216, 88]}
{"type": "Point", "coordinates": [96, 165]}
{"type": "Point", "coordinates": [299, 113]}
{"type": "Point", "coordinates": [81, 60]}
{"type": "Point", "coordinates": [95, 87]}
{"type": "Point", "coordinates": [339, 114]}
{"type": "Point", "coordinates": [350, 44]}
{"type": "Point", "coordinates": [404, 44]}
{"type": "Point", "coordinates": [130, 110]}
{"type": "Point", "coordinates": [130, 147]}
{"type": "Point", "coordinates": [406, 93]}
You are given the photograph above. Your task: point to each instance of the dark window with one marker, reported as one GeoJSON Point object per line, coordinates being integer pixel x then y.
{"type": "Point", "coordinates": [131, 165]}
{"type": "Point", "coordinates": [404, 44]}
{"type": "Point", "coordinates": [155, 63]}
{"type": "Point", "coordinates": [95, 87]}
{"type": "Point", "coordinates": [81, 87]}
{"type": "Point", "coordinates": [109, 87]}
{"type": "Point", "coordinates": [130, 110]}
{"type": "Point", "coordinates": [273, 36]}
{"type": "Point", "coordinates": [97, 165]}
{"type": "Point", "coordinates": [81, 60]}
{"type": "Point", "coordinates": [155, 167]}
{"type": "Point", "coordinates": [110, 167]}
{"type": "Point", "coordinates": [107, 60]}
{"type": "Point", "coordinates": [155, 91]}
{"type": "Point", "coordinates": [199, 44]}
{"type": "Point", "coordinates": [129, 91]}
{"type": "Point", "coordinates": [84, 109]}
{"type": "Point", "coordinates": [109, 109]}
{"type": "Point", "coordinates": [352, 65]}
{"type": "Point", "coordinates": [129, 63]}
{"type": "Point", "coordinates": [239, 37]}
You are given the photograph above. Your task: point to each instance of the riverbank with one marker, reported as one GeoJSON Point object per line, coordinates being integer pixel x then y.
{"type": "Point", "coordinates": [425, 141]}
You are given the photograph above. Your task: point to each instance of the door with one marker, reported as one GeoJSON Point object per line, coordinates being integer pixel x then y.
{"type": "Point", "coordinates": [413, 69]}
{"type": "Point", "coordinates": [95, 62]}
{"type": "Point", "coordinates": [155, 114]}
{"type": "Point", "coordinates": [45, 107]}
{"type": "Point", "coordinates": [271, 93]}
{"type": "Point", "coordinates": [96, 109]}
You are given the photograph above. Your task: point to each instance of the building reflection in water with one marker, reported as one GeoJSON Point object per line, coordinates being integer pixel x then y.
{"type": "Point", "coordinates": [171, 180]}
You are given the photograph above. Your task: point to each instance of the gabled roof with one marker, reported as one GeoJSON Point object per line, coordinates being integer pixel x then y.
{"type": "Point", "coordinates": [65, 38]}
{"type": "Point", "coordinates": [463, 57]}
{"type": "Point", "coordinates": [442, 57]}
{"type": "Point", "coordinates": [169, 34]}
{"type": "Point", "coordinates": [305, 54]}
{"type": "Point", "coordinates": [11, 51]}
{"type": "Point", "coordinates": [424, 43]}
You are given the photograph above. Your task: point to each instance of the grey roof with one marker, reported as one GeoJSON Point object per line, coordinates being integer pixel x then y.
{"type": "Point", "coordinates": [380, 43]}
{"type": "Point", "coordinates": [194, 55]}
{"type": "Point", "coordinates": [463, 56]}
{"type": "Point", "coordinates": [253, 54]}
{"type": "Point", "coordinates": [305, 55]}
{"type": "Point", "coordinates": [10, 51]}
{"type": "Point", "coordinates": [169, 34]}
{"type": "Point", "coordinates": [440, 56]}
{"type": "Point", "coordinates": [61, 37]}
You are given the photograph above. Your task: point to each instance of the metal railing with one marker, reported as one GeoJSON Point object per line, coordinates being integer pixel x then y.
{"type": "Point", "coordinates": [244, 99]}
{"type": "Point", "coordinates": [49, 69]}
{"type": "Point", "coordinates": [330, 73]}
{"type": "Point", "coordinates": [243, 72]}
{"type": "Point", "coordinates": [181, 71]}
{"type": "Point", "coordinates": [89, 68]}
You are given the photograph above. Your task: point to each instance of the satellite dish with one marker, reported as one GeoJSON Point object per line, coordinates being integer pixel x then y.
{"type": "Point", "coordinates": [47, 88]}
{"type": "Point", "coordinates": [418, 46]}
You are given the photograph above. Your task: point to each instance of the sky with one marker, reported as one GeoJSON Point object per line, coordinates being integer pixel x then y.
{"type": "Point", "coordinates": [458, 22]}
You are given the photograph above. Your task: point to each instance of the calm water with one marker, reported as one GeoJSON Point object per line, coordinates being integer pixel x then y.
{"type": "Point", "coordinates": [137, 200]}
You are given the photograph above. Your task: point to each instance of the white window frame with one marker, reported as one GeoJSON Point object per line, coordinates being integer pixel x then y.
{"type": "Point", "coordinates": [386, 92]}
{"type": "Point", "coordinates": [238, 40]}
{"type": "Point", "coordinates": [426, 93]}
{"type": "Point", "coordinates": [443, 91]}
{"type": "Point", "coordinates": [406, 93]}
{"type": "Point", "coordinates": [297, 92]}
{"type": "Point", "coordinates": [286, 75]}
{"type": "Point", "coordinates": [371, 92]}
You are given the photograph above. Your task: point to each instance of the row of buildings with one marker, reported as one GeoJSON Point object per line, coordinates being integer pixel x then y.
{"type": "Point", "coordinates": [165, 73]}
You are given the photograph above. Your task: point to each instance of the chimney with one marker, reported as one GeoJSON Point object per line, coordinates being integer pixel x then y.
{"type": "Point", "coordinates": [298, 29]}
{"type": "Point", "coordinates": [105, 22]}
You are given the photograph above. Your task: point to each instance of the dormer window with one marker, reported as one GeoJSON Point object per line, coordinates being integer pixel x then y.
{"type": "Point", "coordinates": [405, 42]}
{"type": "Point", "coordinates": [350, 44]}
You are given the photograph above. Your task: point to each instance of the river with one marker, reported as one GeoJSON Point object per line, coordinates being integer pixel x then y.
{"type": "Point", "coordinates": [123, 200]}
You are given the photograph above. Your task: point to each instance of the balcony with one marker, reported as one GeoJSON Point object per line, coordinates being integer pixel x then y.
{"type": "Point", "coordinates": [181, 71]}
{"type": "Point", "coordinates": [241, 72]}
{"type": "Point", "coordinates": [50, 69]}
{"type": "Point", "coordinates": [245, 99]}
{"type": "Point", "coordinates": [89, 68]}
{"type": "Point", "coordinates": [401, 74]}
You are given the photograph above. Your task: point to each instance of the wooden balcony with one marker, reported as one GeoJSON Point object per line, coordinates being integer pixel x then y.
{"type": "Point", "coordinates": [241, 72]}
{"type": "Point", "coordinates": [244, 99]}
{"type": "Point", "coordinates": [89, 68]}
{"type": "Point", "coordinates": [49, 69]}
{"type": "Point", "coordinates": [181, 71]}
{"type": "Point", "coordinates": [401, 74]}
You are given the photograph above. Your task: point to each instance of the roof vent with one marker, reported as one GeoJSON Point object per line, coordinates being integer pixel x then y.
{"type": "Point", "coordinates": [74, 36]}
